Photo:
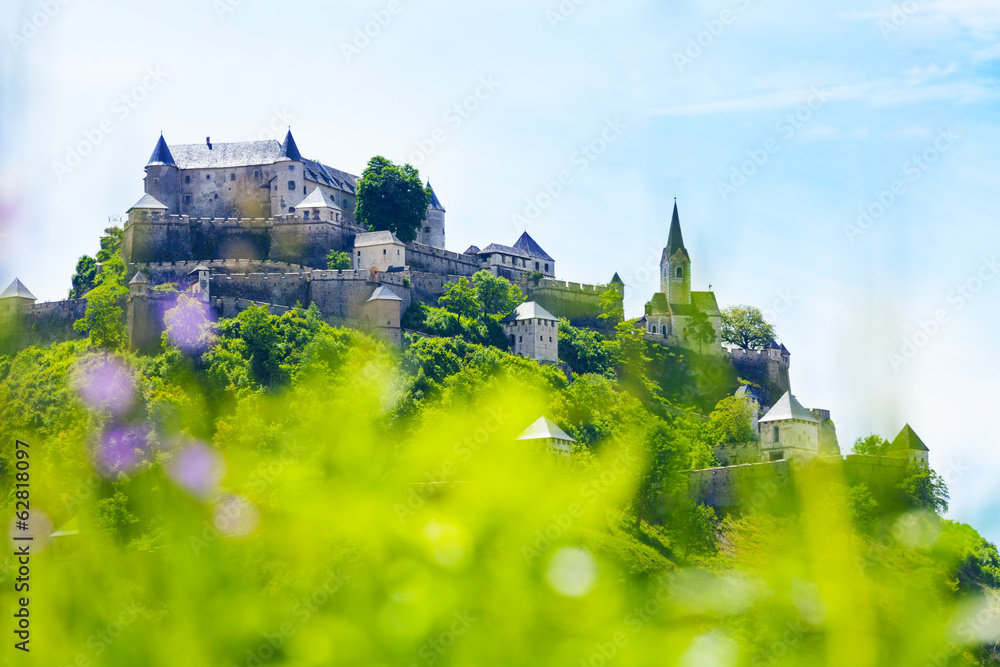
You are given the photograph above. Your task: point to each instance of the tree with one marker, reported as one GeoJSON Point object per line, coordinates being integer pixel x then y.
{"type": "Point", "coordinates": [863, 508]}
{"type": "Point", "coordinates": [104, 319]}
{"type": "Point", "coordinates": [700, 330]}
{"type": "Point", "coordinates": [188, 326]}
{"type": "Point", "coordinates": [584, 350]}
{"type": "Point", "coordinates": [694, 529]}
{"type": "Point", "coordinates": [261, 338]}
{"type": "Point", "coordinates": [498, 295]}
{"type": "Point", "coordinates": [732, 420]}
{"type": "Point", "coordinates": [461, 298]}
{"type": "Point", "coordinates": [612, 307]}
{"type": "Point", "coordinates": [84, 277]}
{"type": "Point", "coordinates": [746, 327]}
{"type": "Point", "coordinates": [391, 197]}
{"type": "Point", "coordinates": [873, 445]}
{"type": "Point", "coordinates": [337, 261]}
{"type": "Point", "coordinates": [111, 243]}
{"type": "Point", "coordinates": [925, 489]}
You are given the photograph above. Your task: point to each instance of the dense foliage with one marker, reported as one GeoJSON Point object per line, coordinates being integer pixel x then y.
{"type": "Point", "coordinates": [392, 197]}
{"type": "Point", "coordinates": [745, 327]}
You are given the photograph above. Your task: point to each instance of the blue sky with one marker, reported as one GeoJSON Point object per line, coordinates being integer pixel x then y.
{"type": "Point", "coordinates": [774, 124]}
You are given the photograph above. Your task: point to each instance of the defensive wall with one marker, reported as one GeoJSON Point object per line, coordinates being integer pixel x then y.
{"type": "Point", "coordinates": [771, 485]}
{"type": "Point", "coordinates": [580, 304]}
{"type": "Point", "coordinates": [178, 238]}
{"type": "Point", "coordinates": [765, 367]}
{"type": "Point", "coordinates": [39, 324]}
{"type": "Point", "coordinates": [427, 259]}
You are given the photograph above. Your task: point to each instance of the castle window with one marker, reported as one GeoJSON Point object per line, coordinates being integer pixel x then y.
{"type": "Point", "coordinates": [305, 215]}
{"type": "Point", "coordinates": [546, 267]}
{"type": "Point", "coordinates": [776, 434]}
{"type": "Point", "coordinates": [143, 215]}
{"type": "Point", "coordinates": [256, 173]}
{"type": "Point", "coordinates": [291, 185]}
{"type": "Point", "coordinates": [156, 216]}
{"type": "Point", "coordinates": [187, 179]}
{"type": "Point", "coordinates": [232, 177]}
{"type": "Point", "coordinates": [208, 177]}
{"type": "Point", "coordinates": [427, 230]}
{"type": "Point", "coordinates": [187, 199]}
{"type": "Point", "coordinates": [680, 272]}
{"type": "Point", "coordinates": [303, 189]}
{"type": "Point", "coordinates": [291, 167]}
{"type": "Point", "coordinates": [520, 339]}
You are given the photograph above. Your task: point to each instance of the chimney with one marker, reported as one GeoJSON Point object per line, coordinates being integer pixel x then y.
{"type": "Point", "coordinates": [208, 140]}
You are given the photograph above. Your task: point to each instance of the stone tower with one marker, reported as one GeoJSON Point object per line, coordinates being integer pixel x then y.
{"type": "Point", "coordinates": [432, 233]}
{"type": "Point", "coordinates": [675, 265]}
{"type": "Point", "coordinates": [163, 177]}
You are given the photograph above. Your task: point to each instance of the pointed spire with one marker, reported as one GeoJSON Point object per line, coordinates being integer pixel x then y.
{"type": "Point", "coordinates": [17, 290]}
{"type": "Point", "coordinates": [617, 279]}
{"type": "Point", "coordinates": [435, 204]}
{"type": "Point", "coordinates": [289, 149]}
{"type": "Point", "coordinates": [161, 154]}
{"type": "Point", "coordinates": [675, 241]}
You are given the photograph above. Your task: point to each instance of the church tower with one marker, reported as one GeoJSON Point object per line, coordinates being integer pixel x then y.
{"type": "Point", "coordinates": [675, 265]}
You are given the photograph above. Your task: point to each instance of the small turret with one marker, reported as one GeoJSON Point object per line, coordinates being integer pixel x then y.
{"type": "Point", "coordinates": [16, 294]}
{"type": "Point", "coordinates": [163, 177]}
{"type": "Point", "coordinates": [432, 231]}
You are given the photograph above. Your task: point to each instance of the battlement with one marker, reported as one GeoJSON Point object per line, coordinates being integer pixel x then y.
{"type": "Point", "coordinates": [228, 265]}
{"type": "Point", "coordinates": [552, 284]}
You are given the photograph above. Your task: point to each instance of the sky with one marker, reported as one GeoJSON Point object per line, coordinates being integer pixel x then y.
{"type": "Point", "coordinates": [834, 162]}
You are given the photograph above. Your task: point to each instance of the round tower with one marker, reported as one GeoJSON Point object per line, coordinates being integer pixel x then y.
{"type": "Point", "coordinates": [432, 231]}
{"type": "Point", "coordinates": [163, 178]}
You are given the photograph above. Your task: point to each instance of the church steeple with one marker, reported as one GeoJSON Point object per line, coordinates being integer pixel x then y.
{"type": "Point", "coordinates": [675, 265]}
{"type": "Point", "coordinates": [675, 241]}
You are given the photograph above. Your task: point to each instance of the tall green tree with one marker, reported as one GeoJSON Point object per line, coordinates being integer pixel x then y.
{"type": "Point", "coordinates": [872, 445]}
{"type": "Point", "coordinates": [700, 330]}
{"type": "Point", "coordinates": [461, 298]}
{"type": "Point", "coordinates": [925, 489]}
{"type": "Point", "coordinates": [498, 295]}
{"type": "Point", "coordinates": [85, 276]}
{"type": "Point", "coordinates": [612, 307]}
{"type": "Point", "coordinates": [104, 319]}
{"type": "Point", "coordinates": [337, 260]}
{"type": "Point", "coordinates": [746, 327]}
{"type": "Point", "coordinates": [391, 197]}
{"type": "Point", "coordinates": [732, 420]}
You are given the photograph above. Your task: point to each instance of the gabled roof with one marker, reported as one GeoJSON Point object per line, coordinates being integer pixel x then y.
{"type": "Point", "coordinates": [787, 408]}
{"type": "Point", "coordinates": [530, 310]}
{"type": "Point", "coordinates": [471, 250]}
{"type": "Point", "coordinates": [148, 201]}
{"type": "Point", "coordinates": [526, 244]}
{"type": "Point", "coordinates": [17, 290]}
{"type": "Point", "coordinates": [199, 269]}
{"type": "Point", "coordinates": [366, 239]}
{"type": "Point", "coordinates": [435, 204]}
{"type": "Point", "coordinates": [703, 301]}
{"type": "Point", "coordinates": [504, 249]}
{"type": "Point", "coordinates": [383, 293]}
{"type": "Point", "coordinates": [222, 156]}
{"type": "Point", "coordinates": [138, 279]}
{"type": "Point", "coordinates": [544, 429]}
{"type": "Point", "coordinates": [907, 439]}
{"type": "Point", "coordinates": [675, 241]}
{"type": "Point", "coordinates": [289, 151]}
{"type": "Point", "coordinates": [161, 154]}
{"type": "Point", "coordinates": [317, 199]}
{"type": "Point", "coordinates": [659, 305]}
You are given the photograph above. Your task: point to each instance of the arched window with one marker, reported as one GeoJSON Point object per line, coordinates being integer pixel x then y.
{"type": "Point", "coordinates": [680, 272]}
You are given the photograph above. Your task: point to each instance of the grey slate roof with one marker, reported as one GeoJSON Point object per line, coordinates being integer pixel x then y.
{"type": "Point", "coordinates": [138, 279]}
{"type": "Point", "coordinates": [544, 429]}
{"type": "Point", "coordinates": [787, 408]}
{"type": "Point", "coordinates": [435, 204]}
{"type": "Point", "coordinates": [383, 293]}
{"type": "Point", "coordinates": [366, 239]}
{"type": "Point", "coordinates": [530, 310]}
{"type": "Point", "coordinates": [161, 154]}
{"type": "Point", "coordinates": [222, 156]}
{"type": "Point", "coordinates": [472, 250]}
{"type": "Point", "coordinates": [17, 289]}
{"type": "Point", "coordinates": [148, 201]}
{"type": "Point", "coordinates": [199, 269]}
{"type": "Point", "coordinates": [504, 249]}
{"type": "Point", "coordinates": [527, 245]}
{"type": "Point", "coordinates": [675, 241]}
{"type": "Point", "coordinates": [317, 199]}
{"type": "Point", "coordinates": [907, 439]}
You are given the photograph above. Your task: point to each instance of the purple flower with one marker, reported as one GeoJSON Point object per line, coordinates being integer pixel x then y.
{"type": "Point", "coordinates": [197, 468]}
{"type": "Point", "coordinates": [123, 448]}
{"type": "Point", "coordinates": [105, 383]}
{"type": "Point", "coordinates": [189, 326]}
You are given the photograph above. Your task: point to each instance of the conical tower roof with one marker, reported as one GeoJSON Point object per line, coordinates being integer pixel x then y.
{"type": "Point", "coordinates": [17, 290]}
{"type": "Point", "coordinates": [436, 204]}
{"type": "Point", "coordinates": [161, 154]}
{"type": "Point", "coordinates": [289, 149]}
{"type": "Point", "coordinates": [675, 241]}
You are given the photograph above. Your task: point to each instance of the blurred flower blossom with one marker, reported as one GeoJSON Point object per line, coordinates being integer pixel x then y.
{"type": "Point", "coordinates": [105, 382]}
{"type": "Point", "coordinates": [123, 448]}
{"type": "Point", "coordinates": [189, 325]}
{"type": "Point", "coordinates": [197, 468]}
{"type": "Point", "coordinates": [235, 516]}
{"type": "Point", "coordinates": [572, 572]}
